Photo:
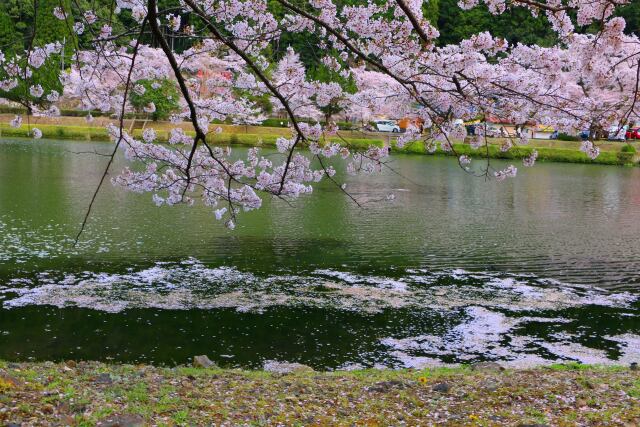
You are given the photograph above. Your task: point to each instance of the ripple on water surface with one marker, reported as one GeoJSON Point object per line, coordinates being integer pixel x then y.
{"type": "Point", "coordinates": [416, 318]}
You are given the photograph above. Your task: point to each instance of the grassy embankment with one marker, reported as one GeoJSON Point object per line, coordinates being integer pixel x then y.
{"type": "Point", "coordinates": [91, 393]}
{"type": "Point", "coordinates": [552, 151]}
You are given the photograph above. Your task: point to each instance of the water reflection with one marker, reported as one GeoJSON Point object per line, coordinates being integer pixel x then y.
{"type": "Point", "coordinates": [550, 265]}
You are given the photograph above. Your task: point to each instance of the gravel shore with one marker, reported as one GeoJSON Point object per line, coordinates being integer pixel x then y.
{"type": "Point", "coordinates": [92, 393]}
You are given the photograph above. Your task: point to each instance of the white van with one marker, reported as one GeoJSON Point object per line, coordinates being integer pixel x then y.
{"type": "Point", "coordinates": [617, 133]}
{"type": "Point", "coordinates": [386, 126]}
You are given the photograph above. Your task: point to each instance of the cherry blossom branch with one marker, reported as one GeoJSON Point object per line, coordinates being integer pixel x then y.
{"type": "Point", "coordinates": [262, 78]}
{"type": "Point", "coordinates": [117, 144]}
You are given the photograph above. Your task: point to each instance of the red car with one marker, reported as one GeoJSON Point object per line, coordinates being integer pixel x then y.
{"type": "Point", "coordinates": [633, 133]}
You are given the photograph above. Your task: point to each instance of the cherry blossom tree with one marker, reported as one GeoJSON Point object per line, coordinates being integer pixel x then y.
{"type": "Point", "coordinates": [378, 95]}
{"type": "Point", "coordinates": [586, 81]}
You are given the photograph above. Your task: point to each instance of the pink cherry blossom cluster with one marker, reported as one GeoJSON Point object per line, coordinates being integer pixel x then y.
{"type": "Point", "coordinates": [388, 49]}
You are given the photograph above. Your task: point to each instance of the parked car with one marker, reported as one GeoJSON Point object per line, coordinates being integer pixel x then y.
{"type": "Point", "coordinates": [617, 133]}
{"type": "Point", "coordinates": [471, 129]}
{"type": "Point", "coordinates": [633, 133]}
{"type": "Point", "coordinates": [488, 129]}
{"type": "Point", "coordinates": [386, 126]}
{"type": "Point", "coordinates": [495, 131]}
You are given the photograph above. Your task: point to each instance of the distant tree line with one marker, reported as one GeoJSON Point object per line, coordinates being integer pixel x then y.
{"type": "Point", "coordinates": [517, 26]}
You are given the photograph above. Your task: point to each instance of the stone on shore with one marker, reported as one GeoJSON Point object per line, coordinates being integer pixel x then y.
{"type": "Point", "coordinates": [203, 362]}
{"type": "Point", "coordinates": [285, 367]}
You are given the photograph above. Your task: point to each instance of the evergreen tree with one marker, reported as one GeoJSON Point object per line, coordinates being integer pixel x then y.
{"type": "Point", "coordinates": [431, 11]}
{"type": "Point", "coordinates": [21, 14]}
{"type": "Point", "coordinates": [45, 28]}
{"type": "Point", "coordinates": [517, 25]}
{"type": "Point", "coordinates": [49, 29]}
{"type": "Point", "coordinates": [9, 42]}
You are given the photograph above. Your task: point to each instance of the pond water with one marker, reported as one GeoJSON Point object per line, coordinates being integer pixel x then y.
{"type": "Point", "coordinates": [541, 268]}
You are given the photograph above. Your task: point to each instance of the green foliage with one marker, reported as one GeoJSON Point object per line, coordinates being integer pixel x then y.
{"type": "Point", "coordinates": [431, 11]}
{"type": "Point", "coordinates": [57, 132]}
{"type": "Point", "coordinates": [346, 125]}
{"type": "Point", "coordinates": [515, 25]}
{"type": "Point", "coordinates": [262, 102]}
{"type": "Point", "coordinates": [21, 14]}
{"type": "Point", "coordinates": [566, 137]}
{"type": "Point", "coordinates": [631, 14]}
{"type": "Point", "coordinates": [46, 76]}
{"type": "Point", "coordinates": [625, 158]}
{"type": "Point", "coordinates": [628, 149]}
{"type": "Point", "coordinates": [48, 28]}
{"type": "Point", "coordinates": [276, 123]}
{"type": "Point", "coordinates": [18, 32]}
{"type": "Point", "coordinates": [103, 9]}
{"type": "Point", "coordinates": [9, 43]}
{"type": "Point", "coordinates": [454, 23]}
{"type": "Point", "coordinates": [561, 155]}
{"type": "Point", "coordinates": [569, 366]}
{"type": "Point", "coordinates": [164, 95]}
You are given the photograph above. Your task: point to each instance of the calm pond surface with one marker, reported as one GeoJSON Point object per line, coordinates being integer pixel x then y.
{"type": "Point", "coordinates": [540, 268]}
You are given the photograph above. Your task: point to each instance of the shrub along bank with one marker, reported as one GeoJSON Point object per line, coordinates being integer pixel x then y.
{"type": "Point", "coordinates": [545, 154]}
{"type": "Point", "coordinates": [613, 155]}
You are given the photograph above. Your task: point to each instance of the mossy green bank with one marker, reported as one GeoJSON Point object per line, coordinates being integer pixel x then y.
{"type": "Point", "coordinates": [621, 154]}
{"type": "Point", "coordinates": [92, 393]}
